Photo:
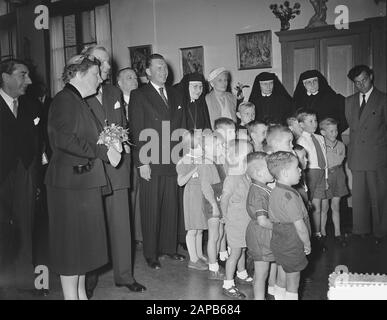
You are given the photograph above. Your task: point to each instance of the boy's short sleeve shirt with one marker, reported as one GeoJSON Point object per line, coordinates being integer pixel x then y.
{"type": "Point", "coordinates": [286, 205]}
{"type": "Point", "coordinates": [335, 154]}
{"type": "Point", "coordinates": [258, 200]}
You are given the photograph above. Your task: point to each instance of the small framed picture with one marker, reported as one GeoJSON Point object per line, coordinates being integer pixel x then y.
{"type": "Point", "coordinates": [192, 60]}
{"type": "Point", "coordinates": [254, 50]}
{"type": "Point", "coordinates": [138, 56]}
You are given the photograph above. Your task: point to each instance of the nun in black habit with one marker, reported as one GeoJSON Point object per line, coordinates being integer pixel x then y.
{"type": "Point", "coordinates": [194, 101]}
{"type": "Point", "coordinates": [272, 102]}
{"type": "Point", "coordinates": [313, 92]}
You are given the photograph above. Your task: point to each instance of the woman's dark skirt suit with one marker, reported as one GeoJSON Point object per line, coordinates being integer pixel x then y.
{"type": "Point", "coordinates": [74, 179]}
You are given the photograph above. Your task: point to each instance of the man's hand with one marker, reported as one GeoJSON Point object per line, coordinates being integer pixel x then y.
{"type": "Point", "coordinates": [114, 156]}
{"type": "Point", "coordinates": [145, 172]}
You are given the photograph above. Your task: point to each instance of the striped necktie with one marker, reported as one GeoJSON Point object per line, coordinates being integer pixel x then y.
{"type": "Point", "coordinates": [161, 90]}
{"type": "Point", "coordinates": [320, 155]}
{"type": "Point", "coordinates": [15, 106]}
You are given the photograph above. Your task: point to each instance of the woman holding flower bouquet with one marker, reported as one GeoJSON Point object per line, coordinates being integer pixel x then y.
{"type": "Point", "coordinates": [75, 178]}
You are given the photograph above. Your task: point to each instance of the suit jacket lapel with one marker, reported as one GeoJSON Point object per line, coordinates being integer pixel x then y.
{"type": "Point", "coordinates": [5, 109]}
{"type": "Point", "coordinates": [155, 99]}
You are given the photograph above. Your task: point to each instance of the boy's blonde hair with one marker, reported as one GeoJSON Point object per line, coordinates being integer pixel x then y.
{"type": "Point", "coordinates": [246, 105]}
{"type": "Point", "coordinates": [291, 120]}
{"type": "Point", "coordinates": [251, 126]}
{"type": "Point", "coordinates": [302, 113]}
{"type": "Point", "coordinates": [254, 159]}
{"type": "Point", "coordinates": [327, 122]}
{"type": "Point", "coordinates": [273, 132]}
{"type": "Point", "coordinates": [278, 161]}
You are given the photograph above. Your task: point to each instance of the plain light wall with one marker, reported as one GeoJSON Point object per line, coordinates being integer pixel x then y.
{"type": "Point", "coordinates": [169, 25]}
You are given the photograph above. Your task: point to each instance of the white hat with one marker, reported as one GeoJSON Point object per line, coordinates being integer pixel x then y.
{"type": "Point", "coordinates": [214, 73]}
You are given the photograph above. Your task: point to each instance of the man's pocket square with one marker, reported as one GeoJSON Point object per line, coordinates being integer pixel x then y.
{"type": "Point", "coordinates": [117, 105]}
{"type": "Point", "coordinates": [36, 121]}
{"type": "Point", "coordinates": [179, 107]}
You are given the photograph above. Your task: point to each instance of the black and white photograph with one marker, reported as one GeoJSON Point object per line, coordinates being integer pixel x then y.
{"type": "Point", "coordinates": [191, 157]}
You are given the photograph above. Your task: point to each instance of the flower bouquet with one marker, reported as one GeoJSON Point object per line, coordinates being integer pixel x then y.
{"type": "Point", "coordinates": [114, 136]}
{"type": "Point", "coordinates": [285, 13]}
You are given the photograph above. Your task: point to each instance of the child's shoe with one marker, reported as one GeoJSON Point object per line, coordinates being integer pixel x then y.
{"type": "Point", "coordinates": [198, 265]}
{"type": "Point", "coordinates": [204, 259]}
{"type": "Point", "coordinates": [247, 280]}
{"type": "Point", "coordinates": [234, 293]}
{"type": "Point", "coordinates": [216, 275]}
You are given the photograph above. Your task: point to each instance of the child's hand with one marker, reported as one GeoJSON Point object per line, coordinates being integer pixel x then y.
{"type": "Point", "coordinates": [215, 211]}
{"type": "Point", "coordinates": [307, 249]}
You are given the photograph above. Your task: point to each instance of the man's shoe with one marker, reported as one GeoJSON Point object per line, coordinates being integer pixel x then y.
{"type": "Point", "coordinates": [320, 243]}
{"type": "Point", "coordinates": [134, 287]}
{"type": "Point", "coordinates": [234, 293]}
{"type": "Point", "coordinates": [341, 241]}
{"type": "Point", "coordinates": [247, 280]}
{"type": "Point", "coordinates": [216, 275]}
{"type": "Point", "coordinates": [154, 264]}
{"type": "Point", "coordinates": [198, 265]}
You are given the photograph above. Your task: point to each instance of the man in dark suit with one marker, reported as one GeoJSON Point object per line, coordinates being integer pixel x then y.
{"type": "Point", "coordinates": [127, 82]}
{"type": "Point", "coordinates": [19, 155]}
{"type": "Point", "coordinates": [366, 113]}
{"type": "Point", "coordinates": [107, 108]}
{"type": "Point", "coordinates": [155, 111]}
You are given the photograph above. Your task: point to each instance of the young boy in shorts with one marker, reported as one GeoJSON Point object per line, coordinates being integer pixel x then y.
{"type": "Point", "coordinates": [317, 170]}
{"type": "Point", "coordinates": [258, 233]}
{"type": "Point", "coordinates": [290, 240]}
{"type": "Point", "coordinates": [226, 128]}
{"type": "Point", "coordinates": [233, 205]}
{"type": "Point", "coordinates": [337, 187]}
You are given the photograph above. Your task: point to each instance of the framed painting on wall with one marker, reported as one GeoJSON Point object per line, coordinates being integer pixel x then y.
{"type": "Point", "coordinates": [138, 56]}
{"type": "Point", "coordinates": [254, 50]}
{"type": "Point", "coordinates": [192, 60]}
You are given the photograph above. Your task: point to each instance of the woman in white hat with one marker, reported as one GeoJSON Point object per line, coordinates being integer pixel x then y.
{"type": "Point", "coordinates": [220, 102]}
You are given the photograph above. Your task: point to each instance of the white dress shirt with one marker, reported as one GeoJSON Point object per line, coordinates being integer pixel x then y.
{"type": "Point", "coordinates": [367, 95]}
{"type": "Point", "coordinates": [306, 141]}
{"type": "Point", "coordinates": [126, 98]}
{"type": "Point", "coordinates": [8, 99]}
{"type": "Point", "coordinates": [157, 87]}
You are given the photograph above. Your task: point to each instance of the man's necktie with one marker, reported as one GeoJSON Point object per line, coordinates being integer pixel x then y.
{"type": "Point", "coordinates": [363, 103]}
{"type": "Point", "coordinates": [15, 107]}
{"type": "Point", "coordinates": [320, 156]}
{"type": "Point", "coordinates": [163, 96]}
